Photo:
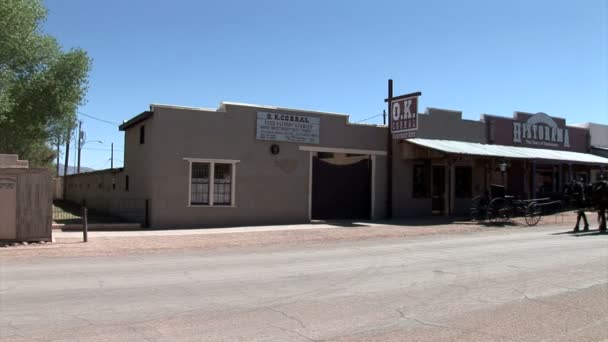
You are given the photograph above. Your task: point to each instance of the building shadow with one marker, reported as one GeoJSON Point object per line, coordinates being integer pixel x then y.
{"type": "Point", "coordinates": [345, 223]}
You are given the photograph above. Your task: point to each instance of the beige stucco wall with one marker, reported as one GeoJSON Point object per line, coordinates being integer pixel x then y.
{"type": "Point", "coordinates": [270, 189]}
{"type": "Point", "coordinates": [104, 192]}
{"type": "Point", "coordinates": [447, 124]}
{"type": "Point", "coordinates": [140, 158]}
{"type": "Point", "coordinates": [12, 161]}
{"type": "Point", "coordinates": [599, 135]}
{"type": "Point", "coordinates": [90, 185]}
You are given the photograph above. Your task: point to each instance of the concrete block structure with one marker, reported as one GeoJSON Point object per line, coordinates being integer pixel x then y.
{"type": "Point", "coordinates": [25, 201]}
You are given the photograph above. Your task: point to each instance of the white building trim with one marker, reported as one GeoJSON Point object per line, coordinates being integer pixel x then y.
{"type": "Point", "coordinates": [212, 163]}
{"type": "Point", "coordinates": [342, 150]}
{"type": "Point", "coordinates": [314, 149]}
{"type": "Point", "coordinates": [221, 161]}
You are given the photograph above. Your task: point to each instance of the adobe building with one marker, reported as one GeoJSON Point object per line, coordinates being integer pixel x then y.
{"type": "Point", "coordinates": [244, 164]}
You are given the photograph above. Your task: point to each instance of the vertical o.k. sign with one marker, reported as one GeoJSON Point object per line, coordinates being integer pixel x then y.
{"type": "Point", "coordinates": [404, 117]}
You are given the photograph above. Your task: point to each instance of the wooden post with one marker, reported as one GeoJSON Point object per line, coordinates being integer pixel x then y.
{"type": "Point", "coordinates": [447, 179]}
{"type": "Point", "coordinates": [554, 178]}
{"type": "Point", "coordinates": [451, 185]}
{"type": "Point", "coordinates": [389, 157]}
{"type": "Point", "coordinates": [561, 178]}
{"type": "Point", "coordinates": [486, 184]}
{"type": "Point", "coordinates": [533, 192]}
{"type": "Point", "coordinates": [147, 214]}
{"type": "Point", "coordinates": [85, 224]}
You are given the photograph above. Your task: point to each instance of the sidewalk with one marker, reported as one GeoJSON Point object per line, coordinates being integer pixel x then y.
{"type": "Point", "coordinates": [313, 235]}
{"type": "Point", "coordinates": [207, 231]}
{"type": "Point", "coordinates": [434, 222]}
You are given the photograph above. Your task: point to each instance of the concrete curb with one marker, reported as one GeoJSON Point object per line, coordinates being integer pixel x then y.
{"type": "Point", "coordinates": [98, 227]}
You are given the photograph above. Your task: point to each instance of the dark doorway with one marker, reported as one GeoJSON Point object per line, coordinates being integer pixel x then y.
{"type": "Point", "coordinates": [438, 189]}
{"type": "Point", "coordinates": [515, 179]}
{"type": "Point", "coordinates": [341, 191]}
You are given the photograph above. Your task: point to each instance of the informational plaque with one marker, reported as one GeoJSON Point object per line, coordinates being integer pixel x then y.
{"type": "Point", "coordinates": [287, 127]}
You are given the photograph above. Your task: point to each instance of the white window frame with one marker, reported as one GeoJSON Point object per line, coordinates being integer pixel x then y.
{"type": "Point", "coordinates": [212, 163]}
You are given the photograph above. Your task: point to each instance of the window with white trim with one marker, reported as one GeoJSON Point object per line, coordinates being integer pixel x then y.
{"type": "Point", "coordinates": [212, 182]}
{"type": "Point", "coordinates": [222, 184]}
{"type": "Point", "coordinates": [199, 183]}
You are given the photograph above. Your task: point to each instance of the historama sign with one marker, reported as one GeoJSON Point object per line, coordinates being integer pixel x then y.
{"type": "Point", "coordinates": [536, 130]}
{"type": "Point", "coordinates": [540, 130]}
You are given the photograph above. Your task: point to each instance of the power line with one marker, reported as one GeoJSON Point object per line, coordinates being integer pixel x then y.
{"type": "Point", "coordinates": [98, 119]}
{"type": "Point", "coordinates": [106, 163]}
{"type": "Point", "coordinates": [375, 116]}
{"type": "Point", "coordinates": [100, 149]}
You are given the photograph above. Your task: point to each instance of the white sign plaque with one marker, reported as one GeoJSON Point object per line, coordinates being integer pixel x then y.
{"type": "Point", "coordinates": [287, 127]}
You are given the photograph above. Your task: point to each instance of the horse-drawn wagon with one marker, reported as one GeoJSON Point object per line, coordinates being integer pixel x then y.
{"type": "Point", "coordinates": [498, 207]}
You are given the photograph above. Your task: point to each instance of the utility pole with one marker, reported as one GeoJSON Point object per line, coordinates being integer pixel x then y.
{"type": "Point", "coordinates": [112, 156]}
{"type": "Point", "coordinates": [65, 164]}
{"type": "Point", "coordinates": [58, 155]}
{"type": "Point", "coordinates": [79, 144]}
{"type": "Point", "coordinates": [75, 135]}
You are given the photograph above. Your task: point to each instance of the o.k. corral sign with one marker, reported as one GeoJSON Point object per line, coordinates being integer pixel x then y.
{"type": "Point", "coordinates": [404, 116]}
{"type": "Point", "coordinates": [287, 127]}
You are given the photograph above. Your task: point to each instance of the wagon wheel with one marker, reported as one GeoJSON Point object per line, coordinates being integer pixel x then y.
{"type": "Point", "coordinates": [499, 211]}
{"type": "Point", "coordinates": [533, 214]}
{"type": "Point", "coordinates": [479, 208]}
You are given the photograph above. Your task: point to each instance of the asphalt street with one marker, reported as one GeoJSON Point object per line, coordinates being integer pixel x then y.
{"type": "Point", "coordinates": [533, 285]}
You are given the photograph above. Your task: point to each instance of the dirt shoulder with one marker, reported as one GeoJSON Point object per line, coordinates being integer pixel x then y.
{"type": "Point", "coordinates": [134, 245]}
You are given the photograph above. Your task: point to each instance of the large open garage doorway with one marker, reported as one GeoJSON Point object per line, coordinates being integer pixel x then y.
{"type": "Point", "coordinates": [341, 186]}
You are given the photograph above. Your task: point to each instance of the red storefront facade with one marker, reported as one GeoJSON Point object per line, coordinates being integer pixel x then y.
{"type": "Point", "coordinates": [539, 178]}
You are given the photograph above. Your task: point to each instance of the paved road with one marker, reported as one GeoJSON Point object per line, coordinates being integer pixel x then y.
{"type": "Point", "coordinates": [500, 286]}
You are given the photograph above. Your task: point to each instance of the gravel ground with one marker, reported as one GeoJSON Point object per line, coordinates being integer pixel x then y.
{"type": "Point", "coordinates": [133, 245]}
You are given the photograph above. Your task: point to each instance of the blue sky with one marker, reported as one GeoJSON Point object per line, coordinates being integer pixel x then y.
{"type": "Point", "coordinates": [474, 56]}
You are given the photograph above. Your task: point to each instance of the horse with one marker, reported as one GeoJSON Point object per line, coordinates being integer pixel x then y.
{"type": "Point", "coordinates": [599, 196]}
{"type": "Point", "coordinates": [577, 196]}
{"type": "Point", "coordinates": [581, 196]}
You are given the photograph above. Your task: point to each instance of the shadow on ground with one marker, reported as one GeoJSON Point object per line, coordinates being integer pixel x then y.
{"type": "Point", "coordinates": [582, 233]}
